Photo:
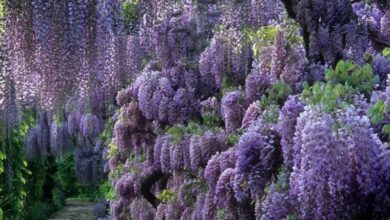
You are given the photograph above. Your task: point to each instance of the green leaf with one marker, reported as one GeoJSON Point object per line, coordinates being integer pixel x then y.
{"type": "Point", "coordinates": [377, 112]}
{"type": "Point", "coordinates": [386, 129]}
{"type": "Point", "coordinates": [386, 52]}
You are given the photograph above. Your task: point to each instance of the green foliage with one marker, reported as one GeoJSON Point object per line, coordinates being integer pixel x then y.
{"type": "Point", "coordinates": [227, 85]}
{"type": "Point", "coordinates": [58, 197]}
{"type": "Point", "coordinates": [117, 172]}
{"type": "Point", "coordinates": [386, 52]}
{"type": "Point", "coordinates": [212, 120]}
{"type": "Point", "coordinates": [233, 138]}
{"type": "Point", "coordinates": [327, 97]}
{"type": "Point", "coordinates": [343, 82]}
{"type": "Point", "coordinates": [209, 123]}
{"type": "Point", "coordinates": [66, 176]}
{"type": "Point", "coordinates": [58, 118]}
{"type": "Point", "coordinates": [377, 112]}
{"type": "Point", "coordinates": [130, 11]}
{"type": "Point", "coordinates": [166, 196]}
{"type": "Point", "coordinates": [37, 203]}
{"type": "Point", "coordinates": [348, 73]}
{"type": "Point", "coordinates": [106, 134]}
{"type": "Point", "coordinates": [107, 190]}
{"type": "Point", "coordinates": [68, 185]}
{"type": "Point", "coordinates": [264, 36]}
{"type": "Point", "coordinates": [222, 214]}
{"type": "Point", "coordinates": [177, 133]}
{"type": "Point", "coordinates": [194, 128]}
{"type": "Point", "coordinates": [292, 29]}
{"type": "Point", "coordinates": [12, 182]}
{"type": "Point", "coordinates": [271, 114]}
{"type": "Point", "coordinates": [292, 217]}
{"type": "Point", "coordinates": [90, 193]}
{"type": "Point", "coordinates": [112, 150]}
{"type": "Point", "coordinates": [275, 95]}
{"type": "Point", "coordinates": [39, 210]}
{"type": "Point", "coordinates": [386, 129]}
{"type": "Point", "coordinates": [2, 158]}
{"type": "Point", "coordinates": [1, 31]}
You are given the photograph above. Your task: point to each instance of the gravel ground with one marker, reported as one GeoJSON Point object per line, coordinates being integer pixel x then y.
{"type": "Point", "coordinates": [75, 210]}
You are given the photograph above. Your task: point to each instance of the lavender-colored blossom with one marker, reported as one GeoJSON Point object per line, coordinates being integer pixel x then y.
{"type": "Point", "coordinates": [227, 159]}
{"type": "Point", "coordinates": [210, 143]}
{"type": "Point", "coordinates": [161, 212]}
{"type": "Point", "coordinates": [174, 211]}
{"type": "Point", "coordinates": [381, 68]}
{"type": "Point", "coordinates": [122, 136]}
{"type": "Point", "coordinates": [279, 55]}
{"type": "Point", "coordinates": [32, 147]}
{"type": "Point", "coordinates": [210, 106]}
{"type": "Point", "coordinates": [90, 125]}
{"type": "Point", "coordinates": [73, 123]}
{"type": "Point", "coordinates": [141, 209]}
{"type": "Point", "coordinates": [165, 156]}
{"type": "Point", "coordinates": [248, 150]}
{"type": "Point", "coordinates": [177, 156]}
{"type": "Point", "coordinates": [232, 110]}
{"type": "Point", "coordinates": [89, 165]}
{"type": "Point", "coordinates": [286, 127]}
{"type": "Point", "coordinates": [123, 96]}
{"type": "Point", "coordinates": [125, 186]}
{"type": "Point", "coordinates": [212, 171]}
{"type": "Point", "coordinates": [199, 205]}
{"type": "Point", "coordinates": [195, 153]}
{"type": "Point", "coordinates": [145, 96]}
{"type": "Point", "coordinates": [209, 208]}
{"type": "Point", "coordinates": [255, 86]}
{"type": "Point", "coordinates": [251, 114]}
{"type": "Point", "coordinates": [257, 158]}
{"type": "Point", "coordinates": [350, 178]}
{"type": "Point", "coordinates": [186, 214]}
{"type": "Point", "coordinates": [59, 138]}
{"type": "Point", "coordinates": [241, 188]}
{"type": "Point", "coordinates": [276, 205]}
{"type": "Point", "coordinates": [100, 210]}
{"type": "Point", "coordinates": [385, 25]}
{"type": "Point", "coordinates": [224, 194]}
{"type": "Point", "coordinates": [212, 64]}
{"type": "Point", "coordinates": [157, 150]}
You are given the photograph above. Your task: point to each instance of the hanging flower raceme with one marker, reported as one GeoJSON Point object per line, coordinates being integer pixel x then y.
{"type": "Point", "coordinates": [232, 110]}
{"type": "Point", "coordinates": [347, 169]}
{"type": "Point", "coordinates": [286, 127]}
{"type": "Point", "coordinates": [90, 125]}
{"type": "Point", "coordinates": [73, 47]}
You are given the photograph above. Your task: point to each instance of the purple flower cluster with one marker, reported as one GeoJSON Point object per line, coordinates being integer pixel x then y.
{"type": "Point", "coordinates": [255, 85]}
{"type": "Point", "coordinates": [286, 127]}
{"type": "Point", "coordinates": [59, 139]}
{"type": "Point", "coordinates": [232, 110]}
{"type": "Point", "coordinates": [190, 64]}
{"type": "Point", "coordinates": [251, 114]}
{"type": "Point", "coordinates": [90, 125]}
{"type": "Point", "coordinates": [158, 100]}
{"type": "Point", "coordinates": [89, 165]}
{"type": "Point", "coordinates": [57, 49]}
{"type": "Point", "coordinates": [345, 163]}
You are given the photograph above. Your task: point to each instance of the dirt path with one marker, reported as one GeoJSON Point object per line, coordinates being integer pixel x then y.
{"type": "Point", "coordinates": [75, 210]}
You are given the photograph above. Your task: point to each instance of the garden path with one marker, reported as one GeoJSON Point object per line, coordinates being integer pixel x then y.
{"type": "Point", "coordinates": [75, 210]}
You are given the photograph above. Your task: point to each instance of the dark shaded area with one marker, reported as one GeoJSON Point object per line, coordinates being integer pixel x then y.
{"type": "Point", "coordinates": [149, 182]}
